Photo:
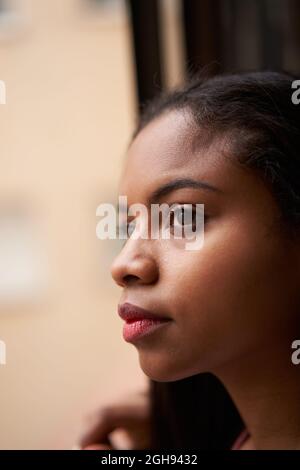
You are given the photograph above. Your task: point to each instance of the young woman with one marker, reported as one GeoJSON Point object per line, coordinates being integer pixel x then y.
{"type": "Point", "coordinates": [219, 361]}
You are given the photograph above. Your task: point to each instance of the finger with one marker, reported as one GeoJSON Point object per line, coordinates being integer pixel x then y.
{"type": "Point", "coordinates": [97, 447]}
{"type": "Point", "coordinates": [104, 422]}
{"type": "Point", "coordinates": [112, 417]}
{"type": "Point", "coordinates": [108, 420]}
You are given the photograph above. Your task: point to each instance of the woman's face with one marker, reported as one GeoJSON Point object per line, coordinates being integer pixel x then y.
{"type": "Point", "coordinates": [228, 299]}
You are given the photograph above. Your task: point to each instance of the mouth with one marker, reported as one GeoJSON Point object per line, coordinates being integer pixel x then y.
{"type": "Point", "coordinates": [139, 322]}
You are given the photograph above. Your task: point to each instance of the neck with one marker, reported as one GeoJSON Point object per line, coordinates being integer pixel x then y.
{"type": "Point", "coordinates": [265, 387]}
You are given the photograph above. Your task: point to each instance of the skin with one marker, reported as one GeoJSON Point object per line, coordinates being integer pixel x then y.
{"type": "Point", "coordinates": [232, 305]}
{"type": "Point", "coordinates": [129, 414]}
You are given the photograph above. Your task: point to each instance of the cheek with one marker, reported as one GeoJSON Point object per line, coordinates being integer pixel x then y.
{"type": "Point", "coordinates": [226, 295]}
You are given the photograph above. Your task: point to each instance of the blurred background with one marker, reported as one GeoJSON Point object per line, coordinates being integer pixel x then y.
{"type": "Point", "coordinates": [76, 73]}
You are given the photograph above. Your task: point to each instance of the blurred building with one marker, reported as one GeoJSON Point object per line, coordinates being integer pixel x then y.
{"type": "Point", "coordinates": [69, 113]}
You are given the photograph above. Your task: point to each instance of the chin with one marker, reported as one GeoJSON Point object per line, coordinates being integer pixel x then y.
{"type": "Point", "coordinates": [160, 371]}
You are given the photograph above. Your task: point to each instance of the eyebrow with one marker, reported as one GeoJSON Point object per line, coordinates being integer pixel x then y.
{"type": "Point", "coordinates": [179, 184]}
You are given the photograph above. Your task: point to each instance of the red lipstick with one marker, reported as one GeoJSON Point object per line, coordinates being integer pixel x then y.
{"type": "Point", "coordinates": [139, 322]}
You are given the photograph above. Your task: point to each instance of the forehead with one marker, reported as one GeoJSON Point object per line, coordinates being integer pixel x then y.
{"type": "Point", "coordinates": [165, 149]}
{"type": "Point", "coordinates": [167, 140]}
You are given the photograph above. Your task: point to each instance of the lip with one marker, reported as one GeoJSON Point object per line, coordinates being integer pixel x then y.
{"type": "Point", "coordinates": [139, 322]}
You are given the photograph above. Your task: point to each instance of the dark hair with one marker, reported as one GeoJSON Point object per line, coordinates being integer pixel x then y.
{"type": "Point", "coordinates": [256, 112]}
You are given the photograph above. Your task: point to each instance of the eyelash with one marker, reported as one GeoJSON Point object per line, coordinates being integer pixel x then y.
{"type": "Point", "coordinates": [205, 216]}
{"type": "Point", "coordinates": [178, 206]}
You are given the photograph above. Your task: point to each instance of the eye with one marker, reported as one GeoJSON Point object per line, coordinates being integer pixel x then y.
{"type": "Point", "coordinates": [185, 215]}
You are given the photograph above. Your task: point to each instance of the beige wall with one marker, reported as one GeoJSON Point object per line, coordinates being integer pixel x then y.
{"type": "Point", "coordinates": [64, 130]}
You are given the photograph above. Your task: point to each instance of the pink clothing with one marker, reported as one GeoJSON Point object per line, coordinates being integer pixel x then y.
{"type": "Point", "coordinates": [240, 440]}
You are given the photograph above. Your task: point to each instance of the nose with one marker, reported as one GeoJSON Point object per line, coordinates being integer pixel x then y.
{"type": "Point", "coordinates": [134, 265]}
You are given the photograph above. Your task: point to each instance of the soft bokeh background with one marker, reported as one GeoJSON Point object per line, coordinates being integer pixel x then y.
{"type": "Point", "coordinates": [74, 79]}
{"type": "Point", "coordinates": [69, 112]}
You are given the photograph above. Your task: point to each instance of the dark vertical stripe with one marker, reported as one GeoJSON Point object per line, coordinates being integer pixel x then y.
{"type": "Point", "coordinates": [228, 35]}
{"type": "Point", "coordinates": [202, 28]}
{"type": "Point", "coordinates": [294, 32]}
{"type": "Point", "coordinates": [146, 45]}
{"type": "Point", "coordinates": [271, 32]}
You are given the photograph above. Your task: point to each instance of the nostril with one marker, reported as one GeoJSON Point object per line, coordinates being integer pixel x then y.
{"type": "Point", "coordinates": [129, 278]}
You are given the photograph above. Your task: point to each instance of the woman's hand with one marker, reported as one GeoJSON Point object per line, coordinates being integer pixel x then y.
{"type": "Point", "coordinates": [128, 418]}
